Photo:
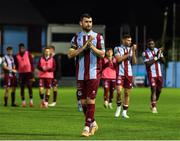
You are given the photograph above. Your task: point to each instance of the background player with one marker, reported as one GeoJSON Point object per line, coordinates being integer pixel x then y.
{"type": "Point", "coordinates": [57, 75]}
{"type": "Point", "coordinates": [46, 68]}
{"type": "Point", "coordinates": [109, 77]}
{"type": "Point", "coordinates": [152, 59]}
{"type": "Point", "coordinates": [25, 67]}
{"type": "Point", "coordinates": [125, 55]}
{"type": "Point", "coordinates": [10, 80]}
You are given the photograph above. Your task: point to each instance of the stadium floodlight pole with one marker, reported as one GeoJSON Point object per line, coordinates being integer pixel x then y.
{"type": "Point", "coordinates": [144, 37]}
{"type": "Point", "coordinates": [174, 32]}
{"type": "Point", "coordinates": [164, 28]}
{"type": "Point", "coordinates": [1, 46]}
{"type": "Point", "coordinates": [163, 37]}
{"type": "Point", "coordinates": [121, 32]}
{"type": "Point", "coordinates": [173, 45]}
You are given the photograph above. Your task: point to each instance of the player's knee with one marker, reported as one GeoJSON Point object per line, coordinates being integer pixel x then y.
{"type": "Point", "coordinates": [41, 89]}
{"type": "Point", "coordinates": [90, 100]}
{"type": "Point", "coordinates": [126, 94]}
{"type": "Point", "coordinates": [48, 90]}
{"type": "Point", "coordinates": [159, 90]}
{"type": "Point", "coordinates": [83, 101]}
{"type": "Point", "coordinates": [55, 89]}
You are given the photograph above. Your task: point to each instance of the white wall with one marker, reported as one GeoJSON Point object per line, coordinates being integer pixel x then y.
{"type": "Point", "coordinates": [62, 47]}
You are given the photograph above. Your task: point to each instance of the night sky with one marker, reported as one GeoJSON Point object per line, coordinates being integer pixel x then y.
{"type": "Point", "coordinates": [111, 13]}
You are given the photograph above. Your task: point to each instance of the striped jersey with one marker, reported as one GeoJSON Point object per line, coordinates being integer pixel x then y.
{"type": "Point", "coordinates": [155, 69]}
{"type": "Point", "coordinates": [8, 60]}
{"type": "Point", "coordinates": [88, 64]}
{"type": "Point", "coordinates": [125, 67]}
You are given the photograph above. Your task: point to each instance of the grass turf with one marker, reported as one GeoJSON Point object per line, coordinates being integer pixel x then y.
{"type": "Point", "coordinates": [65, 122]}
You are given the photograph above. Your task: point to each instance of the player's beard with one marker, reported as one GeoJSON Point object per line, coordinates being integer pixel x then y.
{"type": "Point", "coordinates": [87, 28]}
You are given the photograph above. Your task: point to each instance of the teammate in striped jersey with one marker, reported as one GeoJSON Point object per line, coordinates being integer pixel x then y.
{"type": "Point", "coordinates": [88, 48]}
{"type": "Point", "coordinates": [126, 56]}
{"type": "Point", "coordinates": [10, 80]}
{"type": "Point", "coordinates": [152, 58]}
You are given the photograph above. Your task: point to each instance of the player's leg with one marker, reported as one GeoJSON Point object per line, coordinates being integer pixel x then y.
{"type": "Point", "coordinates": [13, 92]}
{"type": "Point", "coordinates": [106, 85]}
{"type": "Point", "coordinates": [13, 97]}
{"type": "Point", "coordinates": [41, 92]}
{"type": "Point", "coordinates": [153, 83]}
{"type": "Point", "coordinates": [22, 88]}
{"type": "Point", "coordinates": [126, 103]}
{"type": "Point", "coordinates": [91, 90]}
{"type": "Point", "coordinates": [118, 100]}
{"type": "Point", "coordinates": [48, 83]}
{"type": "Point", "coordinates": [153, 97]}
{"type": "Point", "coordinates": [47, 95]}
{"type": "Point", "coordinates": [81, 88]}
{"type": "Point", "coordinates": [112, 88]}
{"type": "Point", "coordinates": [6, 93]}
{"type": "Point", "coordinates": [78, 96]}
{"type": "Point", "coordinates": [119, 87]}
{"type": "Point", "coordinates": [6, 89]}
{"type": "Point", "coordinates": [55, 92]}
{"type": "Point", "coordinates": [159, 87]}
{"type": "Point", "coordinates": [81, 96]}
{"type": "Point", "coordinates": [158, 92]}
{"type": "Point", "coordinates": [29, 86]}
{"type": "Point", "coordinates": [127, 88]}
{"type": "Point", "coordinates": [153, 100]}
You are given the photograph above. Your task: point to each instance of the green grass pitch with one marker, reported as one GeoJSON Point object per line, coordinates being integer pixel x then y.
{"type": "Point", "coordinates": [65, 122]}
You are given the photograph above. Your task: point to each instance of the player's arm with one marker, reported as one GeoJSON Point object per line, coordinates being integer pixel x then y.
{"type": "Point", "coordinates": [160, 55]}
{"type": "Point", "coordinates": [148, 62]}
{"type": "Point", "coordinates": [120, 58]}
{"type": "Point", "coordinates": [75, 51]}
{"type": "Point", "coordinates": [53, 67]}
{"type": "Point", "coordinates": [39, 66]}
{"type": "Point", "coordinates": [97, 51]}
{"type": "Point", "coordinates": [162, 60]}
{"type": "Point", "coordinates": [5, 67]}
{"type": "Point", "coordinates": [31, 62]}
{"type": "Point", "coordinates": [100, 51]}
{"type": "Point", "coordinates": [134, 58]}
{"type": "Point", "coordinates": [16, 61]}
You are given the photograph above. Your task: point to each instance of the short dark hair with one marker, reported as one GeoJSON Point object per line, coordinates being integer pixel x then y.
{"type": "Point", "coordinates": [46, 48]}
{"type": "Point", "coordinates": [125, 36]}
{"type": "Point", "coordinates": [107, 49]}
{"type": "Point", "coordinates": [52, 47]}
{"type": "Point", "coordinates": [150, 40]}
{"type": "Point", "coordinates": [85, 15]}
{"type": "Point", "coordinates": [9, 48]}
{"type": "Point", "coordinates": [21, 45]}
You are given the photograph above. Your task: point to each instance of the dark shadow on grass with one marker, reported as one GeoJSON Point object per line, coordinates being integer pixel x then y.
{"type": "Point", "coordinates": [39, 134]}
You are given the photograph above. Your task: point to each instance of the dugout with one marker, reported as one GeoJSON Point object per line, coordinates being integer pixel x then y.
{"type": "Point", "coordinates": [20, 22]}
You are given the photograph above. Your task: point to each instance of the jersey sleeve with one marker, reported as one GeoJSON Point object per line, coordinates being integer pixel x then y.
{"type": "Point", "coordinates": [74, 42]}
{"type": "Point", "coordinates": [116, 52]}
{"type": "Point", "coordinates": [102, 43]}
{"type": "Point", "coordinates": [144, 57]}
{"type": "Point", "coordinates": [4, 61]}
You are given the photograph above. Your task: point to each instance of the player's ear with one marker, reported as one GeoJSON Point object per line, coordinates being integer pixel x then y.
{"type": "Point", "coordinates": [80, 22]}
